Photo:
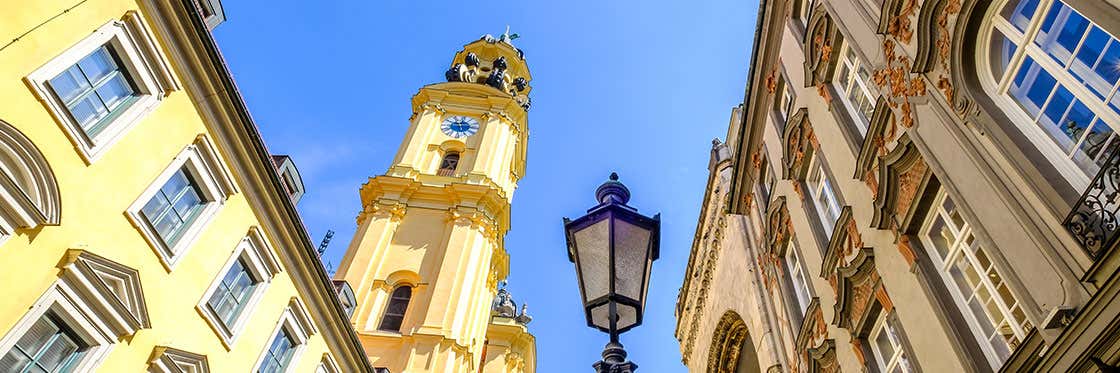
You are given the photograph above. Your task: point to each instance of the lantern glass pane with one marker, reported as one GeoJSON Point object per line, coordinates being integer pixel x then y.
{"type": "Point", "coordinates": [627, 316]}
{"type": "Point", "coordinates": [631, 246]}
{"type": "Point", "coordinates": [600, 316]}
{"type": "Point", "coordinates": [591, 246]}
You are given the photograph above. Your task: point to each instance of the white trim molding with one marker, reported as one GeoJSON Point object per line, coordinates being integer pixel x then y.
{"type": "Point", "coordinates": [262, 264]}
{"type": "Point", "coordinates": [297, 323]}
{"type": "Point", "coordinates": [153, 78]}
{"type": "Point", "coordinates": [201, 161]}
{"type": "Point", "coordinates": [170, 360]}
{"type": "Point", "coordinates": [29, 195]}
{"type": "Point", "coordinates": [328, 365]}
{"type": "Point", "coordinates": [99, 300]}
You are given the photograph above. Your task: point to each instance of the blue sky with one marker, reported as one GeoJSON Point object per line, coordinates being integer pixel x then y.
{"type": "Point", "coordinates": [636, 87]}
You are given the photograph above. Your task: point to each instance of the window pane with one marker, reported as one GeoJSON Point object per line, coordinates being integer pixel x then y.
{"type": "Point", "coordinates": [941, 237]}
{"type": "Point", "coordinates": [883, 344]}
{"type": "Point", "coordinates": [1061, 32]}
{"type": "Point", "coordinates": [1002, 50]}
{"type": "Point", "coordinates": [186, 204]}
{"type": "Point", "coordinates": [1019, 13]}
{"type": "Point", "coordinates": [1032, 86]}
{"type": "Point", "coordinates": [115, 91]}
{"type": "Point", "coordinates": [14, 361]}
{"type": "Point", "coordinates": [98, 65]}
{"type": "Point", "coordinates": [58, 353]}
{"type": "Point", "coordinates": [88, 110]}
{"type": "Point", "coordinates": [1052, 119]}
{"type": "Point", "coordinates": [69, 84]}
{"type": "Point", "coordinates": [38, 335]}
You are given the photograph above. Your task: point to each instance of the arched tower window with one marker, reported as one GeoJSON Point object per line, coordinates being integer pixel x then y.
{"type": "Point", "coordinates": [449, 163]}
{"type": "Point", "coordinates": [394, 313]}
{"type": "Point", "coordinates": [1058, 71]}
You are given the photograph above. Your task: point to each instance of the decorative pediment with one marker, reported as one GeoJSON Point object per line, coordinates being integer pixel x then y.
{"type": "Point", "coordinates": [817, 352]}
{"type": "Point", "coordinates": [856, 288]}
{"type": "Point", "coordinates": [798, 143]}
{"type": "Point", "coordinates": [934, 34]}
{"type": "Point", "coordinates": [821, 40]}
{"type": "Point", "coordinates": [29, 195]}
{"type": "Point", "coordinates": [845, 246]}
{"type": "Point", "coordinates": [903, 174]}
{"type": "Point", "coordinates": [170, 360]}
{"type": "Point", "coordinates": [111, 289]}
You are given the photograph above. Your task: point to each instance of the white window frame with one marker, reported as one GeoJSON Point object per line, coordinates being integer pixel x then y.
{"type": "Point", "coordinates": [958, 249]}
{"type": "Point", "coordinates": [854, 82]}
{"type": "Point", "coordinates": [785, 98]}
{"type": "Point", "coordinates": [147, 68]}
{"type": "Point", "coordinates": [261, 262]}
{"type": "Point", "coordinates": [802, 290]}
{"type": "Point", "coordinates": [171, 360]}
{"type": "Point", "coordinates": [217, 16]}
{"type": "Point", "coordinates": [64, 301]}
{"type": "Point", "coordinates": [823, 187]}
{"type": "Point", "coordinates": [805, 10]}
{"type": "Point", "coordinates": [898, 358]}
{"type": "Point", "coordinates": [215, 185]}
{"type": "Point", "coordinates": [297, 323]}
{"type": "Point", "coordinates": [1000, 90]}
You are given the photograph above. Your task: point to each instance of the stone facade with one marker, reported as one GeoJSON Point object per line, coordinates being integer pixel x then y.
{"type": "Point", "coordinates": [913, 185]}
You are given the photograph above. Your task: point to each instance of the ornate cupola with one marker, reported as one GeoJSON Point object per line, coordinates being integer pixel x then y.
{"type": "Point", "coordinates": [496, 62]}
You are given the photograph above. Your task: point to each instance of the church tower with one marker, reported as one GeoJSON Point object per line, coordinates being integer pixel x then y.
{"type": "Point", "coordinates": [429, 253]}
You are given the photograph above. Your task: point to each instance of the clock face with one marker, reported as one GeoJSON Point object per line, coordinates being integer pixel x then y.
{"type": "Point", "coordinates": [459, 126]}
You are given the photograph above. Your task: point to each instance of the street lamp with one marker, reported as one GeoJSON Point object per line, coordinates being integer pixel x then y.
{"type": "Point", "coordinates": [613, 248]}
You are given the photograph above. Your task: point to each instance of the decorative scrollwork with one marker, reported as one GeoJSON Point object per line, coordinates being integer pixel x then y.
{"type": "Point", "coordinates": [1093, 222]}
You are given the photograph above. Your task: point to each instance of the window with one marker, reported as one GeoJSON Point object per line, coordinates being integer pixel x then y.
{"type": "Point", "coordinates": [886, 345]}
{"type": "Point", "coordinates": [1060, 70]}
{"type": "Point", "coordinates": [798, 281]}
{"type": "Point", "coordinates": [104, 84]}
{"type": "Point", "coordinates": [171, 213]}
{"type": "Point", "coordinates": [49, 346]}
{"type": "Point", "coordinates": [783, 103]}
{"type": "Point", "coordinates": [288, 342]}
{"type": "Point", "coordinates": [279, 354]}
{"type": "Point", "coordinates": [449, 163]}
{"type": "Point", "coordinates": [174, 207]}
{"type": "Point", "coordinates": [79, 319]}
{"type": "Point", "coordinates": [824, 197]}
{"type": "Point", "coordinates": [233, 293]}
{"type": "Point", "coordinates": [802, 8]}
{"type": "Point", "coordinates": [995, 315]}
{"type": "Point", "coordinates": [766, 180]}
{"type": "Point", "coordinates": [394, 313]}
{"type": "Point", "coordinates": [94, 90]}
{"type": "Point", "coordinates": [239, 287]}
{"type": "Point", "coordinates": [854, 80]}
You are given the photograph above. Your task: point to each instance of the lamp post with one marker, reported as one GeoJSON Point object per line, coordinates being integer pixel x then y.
{"type": "Point", "coordinates": [613, 248]}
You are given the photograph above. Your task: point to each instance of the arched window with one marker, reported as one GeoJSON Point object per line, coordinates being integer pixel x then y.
{"type": "Point", "coordinates": [1058, 71]}
{"type": "Point", "coordinates": [394, 313]}
{"type": "Point", "coordinates": [449, 163]}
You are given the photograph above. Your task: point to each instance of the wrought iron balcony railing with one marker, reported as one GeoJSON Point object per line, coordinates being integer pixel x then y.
{"type": "Point", "coordinates": [1093, 220]}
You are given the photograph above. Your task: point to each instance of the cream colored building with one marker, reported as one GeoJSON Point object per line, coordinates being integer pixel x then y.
{"type": "Point", "coordinates": [429, 251]}
{"type": "Point", "coordinates": [914, 185]}
{"type": "Point", "coordinates": [144, 226]}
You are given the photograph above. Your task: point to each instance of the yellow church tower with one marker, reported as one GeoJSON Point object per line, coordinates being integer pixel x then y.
{"type": "Point", "coordinates": [428, 255]}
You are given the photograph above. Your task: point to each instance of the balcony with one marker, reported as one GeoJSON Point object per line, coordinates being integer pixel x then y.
{"type": "Point", "coordinates": [1093, 220]}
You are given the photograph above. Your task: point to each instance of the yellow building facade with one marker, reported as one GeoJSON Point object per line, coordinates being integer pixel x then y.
{"type": "Point", "coordinates": [144, 225]}
{"type": "Point", "coordinates": [429, 254]}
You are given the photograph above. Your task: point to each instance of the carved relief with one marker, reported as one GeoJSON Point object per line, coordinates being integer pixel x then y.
{"type": "Point", "coordinates": [858, 286]}
{"type": "Point", "coordinates": [820, 40]}
{"type": "Point", "coordinates": [724, 350]}
{"type": "Point", "coordinates": [394, 211]}
{"type": "Point", "coordinates": [816, 352]}
{"type": "Point", "coordinates": [798, 139]}
{"type": "Point", "coordinates": [904, 174]}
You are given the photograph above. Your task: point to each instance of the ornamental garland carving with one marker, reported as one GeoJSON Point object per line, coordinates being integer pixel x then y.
{"type": "Point", "coordinates": [881, 135]}
{"type": "Point", "coordinates": [711, 248]}
{"type": "Point", "coordinates": [898, 83]}
{"type": "Point", "coordinates": [845, 246]}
